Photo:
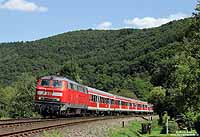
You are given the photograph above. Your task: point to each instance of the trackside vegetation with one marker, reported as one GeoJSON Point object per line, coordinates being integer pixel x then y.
{"type": "Point", "coordinates": [160, 65]}
{"type": "Point", "coordinates": [134, 129]}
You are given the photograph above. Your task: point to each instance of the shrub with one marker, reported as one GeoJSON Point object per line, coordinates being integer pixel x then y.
{"type": "Point", "coordinates": [197, 124]}
{"type": "Point", "coordinates": [172, 127]}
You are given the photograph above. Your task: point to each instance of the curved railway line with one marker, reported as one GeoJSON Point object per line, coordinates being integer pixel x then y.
{"type": "Point", "coordinates": [30, 127]}
{"type": "Point", "coordinates": [19, 122]}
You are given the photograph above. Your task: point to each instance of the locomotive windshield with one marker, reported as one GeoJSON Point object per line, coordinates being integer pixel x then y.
{"type": "Point", "coordinates": [57, 84]}
{"type": "Point", "coordinates": [45, 82]}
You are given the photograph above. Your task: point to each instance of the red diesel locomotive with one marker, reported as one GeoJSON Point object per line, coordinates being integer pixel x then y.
{"type": "Point", "coordinates": [57, 95]}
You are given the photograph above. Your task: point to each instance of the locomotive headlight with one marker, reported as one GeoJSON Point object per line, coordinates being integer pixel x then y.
{"type": "Point", "coordinates": [41, 98]}
{"type": "Point", "coordinates": [57, 99]}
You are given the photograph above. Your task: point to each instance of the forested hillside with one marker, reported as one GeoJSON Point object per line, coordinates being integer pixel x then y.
{"type": "Point", "coordinates": [111, 60]}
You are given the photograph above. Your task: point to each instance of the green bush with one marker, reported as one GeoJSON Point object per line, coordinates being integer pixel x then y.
{"type": "Point", "coordinates": [172, 127]}
{"type": "Point", "coordinates": [197, 124]}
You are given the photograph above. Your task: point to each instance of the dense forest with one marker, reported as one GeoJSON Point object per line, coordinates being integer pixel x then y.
{"type": "Point", "coordinates": [160, 65]}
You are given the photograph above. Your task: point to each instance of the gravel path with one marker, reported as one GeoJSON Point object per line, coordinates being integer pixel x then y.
{"type": "Point", "coordinates": [94, 129]}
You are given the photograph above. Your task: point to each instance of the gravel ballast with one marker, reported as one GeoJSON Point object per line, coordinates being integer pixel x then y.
{"type": "Point", "coordinates": [94, 129]}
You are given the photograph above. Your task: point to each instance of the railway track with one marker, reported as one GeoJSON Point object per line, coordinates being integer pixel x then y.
{"type": "Point", "coordinates": [20, 122]}
{"type": "Point", "coordinates": [28, 121]}
{"type": "Point", "coordinates": [29, 128]}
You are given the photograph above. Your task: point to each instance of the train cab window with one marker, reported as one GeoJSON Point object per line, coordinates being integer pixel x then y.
{"type": "Point", "coordinates": [73, 86]}
{"type": "Point", "coordinates": [85, 90]}
{"type": "Point", "coordinates": [70, 86]}
{"type": "Point", "coordinates": [57, 84]}
{"type": "Point", "coordinates": [45, 83]}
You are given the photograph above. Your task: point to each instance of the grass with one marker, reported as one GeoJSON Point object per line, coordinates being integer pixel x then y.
{"type": "Point", "coordinates": [134, 130]}
{"type": "Point", "coordinates": [53, 133]}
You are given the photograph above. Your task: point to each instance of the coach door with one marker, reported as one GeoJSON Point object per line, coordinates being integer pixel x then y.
{"type": "Point", "coordinates": [109, 102]}
{"type": "Point", "coordinates": [120, 105]}
{"type": "Point", "coordinates": [98, 100]}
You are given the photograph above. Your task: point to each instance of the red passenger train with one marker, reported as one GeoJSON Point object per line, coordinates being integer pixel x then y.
{"type": "Point", "coordinates": [57, 95]}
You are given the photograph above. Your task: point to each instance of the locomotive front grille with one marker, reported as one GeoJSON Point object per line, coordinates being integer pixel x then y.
{"type": "Point", "coordinates": [49, 99]}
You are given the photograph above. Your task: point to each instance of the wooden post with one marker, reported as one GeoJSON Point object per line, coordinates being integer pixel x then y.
{"type": "Point", "coordinates": [123, 124]}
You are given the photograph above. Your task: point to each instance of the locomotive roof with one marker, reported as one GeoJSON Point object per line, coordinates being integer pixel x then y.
{"type": "Point", "coordinates": [59, 78]}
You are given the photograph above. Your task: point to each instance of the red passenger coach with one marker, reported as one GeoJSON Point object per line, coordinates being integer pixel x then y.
{"type": "Point", "coordinates": [61, 96]}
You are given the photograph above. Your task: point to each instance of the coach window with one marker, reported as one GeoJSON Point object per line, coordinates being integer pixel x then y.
{"type": "Point", "coordinates": [90, 97]}
{"type": "Point", "coordinates": [111, 101]}
{"type": "Point", "coordinates": [45, 83]}
{"type": "Point", "coordinates": [57, 84]}
{"type": "Point", "coordinates": [118, 102]}
{"type": "Point", "coordinates": [101, 100]}
{"type": "Point", "coordinates": [108, 101]}
{"type": "Point", "coordinates": [80, 88]}
{"type": "Point", "coordinates": [104, 100]}
{"type": "Point", "coordinates": [75, 87]}
{"type": "Point", "coordinates": [96, 97]}
{"type": "Point", "coordinates": [93, 98]}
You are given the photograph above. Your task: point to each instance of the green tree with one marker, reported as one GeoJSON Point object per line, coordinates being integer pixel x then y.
{"type": "Point", "coordinates": [22, 104]}
{"type": "Point", "coordinates": [157, 98]}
